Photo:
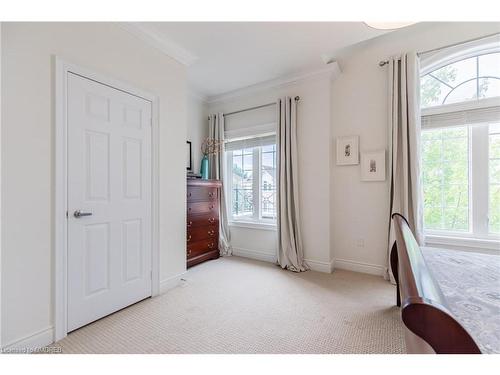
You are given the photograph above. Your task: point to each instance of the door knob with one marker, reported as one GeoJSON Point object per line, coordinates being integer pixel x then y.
{"type": "Point", "coordinates": [79, 213]}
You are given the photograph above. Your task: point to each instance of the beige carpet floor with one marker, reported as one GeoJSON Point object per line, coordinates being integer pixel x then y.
{"type": "Point", "coordinates": [236, 305]}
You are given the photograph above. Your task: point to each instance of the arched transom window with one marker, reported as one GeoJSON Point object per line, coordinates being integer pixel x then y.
{"type": "Point", "coordinates": [472, 78]}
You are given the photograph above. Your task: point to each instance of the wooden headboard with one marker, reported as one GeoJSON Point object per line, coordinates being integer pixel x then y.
{"type": "Point", "coordinates": [431, 326]}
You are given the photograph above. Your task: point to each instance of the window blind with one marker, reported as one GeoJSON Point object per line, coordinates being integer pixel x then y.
{"type": "Point", "coordinates": [245, 121]}
{"type": "Point", "coordinates": [461, 118]}
{"type": "Point", "coordinates": [250, 142]}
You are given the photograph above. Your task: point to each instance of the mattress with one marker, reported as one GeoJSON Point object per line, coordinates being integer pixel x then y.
{"type": "Point", "coordinates": [470, 283]}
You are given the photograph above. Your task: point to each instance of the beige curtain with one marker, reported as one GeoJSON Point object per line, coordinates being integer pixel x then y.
{"type": "Point", "coordinates": [404, 118]}
{"type": "Point", "coordinates": [217, 172]}
{"type": "Point", "coordinates": [290, 251]}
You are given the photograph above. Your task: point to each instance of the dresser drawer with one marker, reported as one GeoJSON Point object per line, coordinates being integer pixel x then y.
{"type": "Point", "coordinates": [201, 193]}
{"type": "Point", "coordinates": [201, 233]}
{"type": "Point", "coordinates": [200, 247]}
{"type": "Point", "coordinates": [194, 208]}
{"type": "Point", "coordinates": [201, 220]}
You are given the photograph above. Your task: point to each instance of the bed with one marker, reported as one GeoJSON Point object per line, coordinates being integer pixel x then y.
{"type": "Point", "coordinates": [450, 300]}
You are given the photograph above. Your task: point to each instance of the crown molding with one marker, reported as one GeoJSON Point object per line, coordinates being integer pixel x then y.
{"type": "Point", "coordinates": [332, 70]}
{"type": "Point", "coordinates": [160, 42]}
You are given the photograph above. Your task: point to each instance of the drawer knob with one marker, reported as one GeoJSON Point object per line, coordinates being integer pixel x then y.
{"type": "Point", "coordinates": [211, 194]}
{"type": "Point", "coordinates": [190, 223]}
{"type": "Point", "coordinates": [189, 194]}
{"type": "Point", "coordinates": [189, 253]}
{"type": "Point", "coordinates": [211, 232]}
{"type": "Point", "coordinates": [189, 238]}
{"type": "Point", "coordinates": [211, 245]}
{"type": "Point", "coordinates": [211, 220]}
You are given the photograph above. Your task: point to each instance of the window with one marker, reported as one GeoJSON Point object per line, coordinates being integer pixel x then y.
{"type": "Point", "coordinates": [251, 166]}
{"type": "Point", "coordinates": [445, 178]}
{"type": "Point", "coordinates": [473, 78]}
{"type": "Point", "coordinates": [461, 147]}
{"type": "Point", "coordinates": [242, 187]}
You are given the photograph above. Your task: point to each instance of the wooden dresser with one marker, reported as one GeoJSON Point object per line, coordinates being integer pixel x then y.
{"type": "Point", "coordinates": [202, 220]}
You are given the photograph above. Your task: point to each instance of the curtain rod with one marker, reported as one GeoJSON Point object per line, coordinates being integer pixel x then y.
{"type": "Point", "coordinates": [385, 62]}
{"type": "Point", "coordinates": [297, 98]}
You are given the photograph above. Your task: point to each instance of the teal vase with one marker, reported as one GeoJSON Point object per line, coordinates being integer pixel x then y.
{"type": "Point", "coordinates": [204, 167]}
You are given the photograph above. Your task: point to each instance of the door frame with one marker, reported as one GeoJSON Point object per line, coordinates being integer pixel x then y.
{"type": "Point", "coordinates": [60, 198]}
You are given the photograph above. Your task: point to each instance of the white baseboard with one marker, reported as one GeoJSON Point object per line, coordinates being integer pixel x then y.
{"type": "Point", "coordinates": [351, 265]}
{"type": "Point", "coordinates": [28, 343]}
{"type": "Point", "coordinates": [171, 282]}
{"type": "Point", "coordinates": [258, 255]}
{"type": "Point", "coordinates": [315, 265]}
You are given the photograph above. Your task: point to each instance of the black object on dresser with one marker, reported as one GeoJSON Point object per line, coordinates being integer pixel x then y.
{"type": "Point", "coordinates": [203, 197]}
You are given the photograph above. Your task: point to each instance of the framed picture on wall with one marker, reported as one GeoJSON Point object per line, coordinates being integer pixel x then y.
{"type": "Point", "coordinates": [348, 150]}
{"type": "Point", "coordinates": [373, 166]}
{"type": "Point", "coordinates": [189, 156]}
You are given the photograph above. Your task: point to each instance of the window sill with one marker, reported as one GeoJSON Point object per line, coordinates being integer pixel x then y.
{"type": "Point", "coordinates": [253, 225]}
{"type": "Point", "coordinates": [464, 243]}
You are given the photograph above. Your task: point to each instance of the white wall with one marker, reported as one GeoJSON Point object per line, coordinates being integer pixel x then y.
{"type": "Point", "coordinates": [254, 243]}
{"type": "Point", "coordinates": [1, 241]}
{"type": "Point", "coordinates": [197, 127]}
{"type": "Point", "coordinates": [359, 102]}
{"type": "Point", "coordinates": [314, 168]}
{"type": "Point", "coordinates": [28, 154]}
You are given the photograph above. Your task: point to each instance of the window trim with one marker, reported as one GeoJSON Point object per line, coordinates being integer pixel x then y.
{"type": "Point", "coordinates": [466, 243]}
{"type": "Point", "coordinates": [479, 180]}
{"type": "Point", "coordinates": [462, 106]}
{"type": "Point", "coordinates": [272, 226]}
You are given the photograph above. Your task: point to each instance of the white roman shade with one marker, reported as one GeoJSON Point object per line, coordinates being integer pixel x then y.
{"type": "Point", "coordinates": [246, 120]}
{"type": "Point", "coordinates": [251, 141]}
{"type": "Point", "coordinates": [461, 118]}
{"type": "Point", "coordinates": [251, 129]}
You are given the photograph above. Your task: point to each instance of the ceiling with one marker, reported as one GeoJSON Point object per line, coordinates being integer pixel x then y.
{"type": "Point", "coordinates": [226, 56]}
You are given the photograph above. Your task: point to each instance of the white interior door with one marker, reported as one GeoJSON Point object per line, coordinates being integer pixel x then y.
{"type": "Point", "coordinates": [109, 200]}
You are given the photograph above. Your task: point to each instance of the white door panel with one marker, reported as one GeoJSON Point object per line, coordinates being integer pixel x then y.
{"type": "Point", "coordinates": [109, 175]}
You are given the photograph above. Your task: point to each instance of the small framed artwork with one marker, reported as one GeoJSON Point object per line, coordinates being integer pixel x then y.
{"type": "Point", "coordinates": [189, 160]}
{"type": "Point", "coordinates": [373, 166]}
{"type": "Point", "coordinates": [348, 150]}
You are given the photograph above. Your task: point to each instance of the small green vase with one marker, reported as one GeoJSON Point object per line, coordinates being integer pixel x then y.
{"type": "Point", "coordinates": [204, 167]}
